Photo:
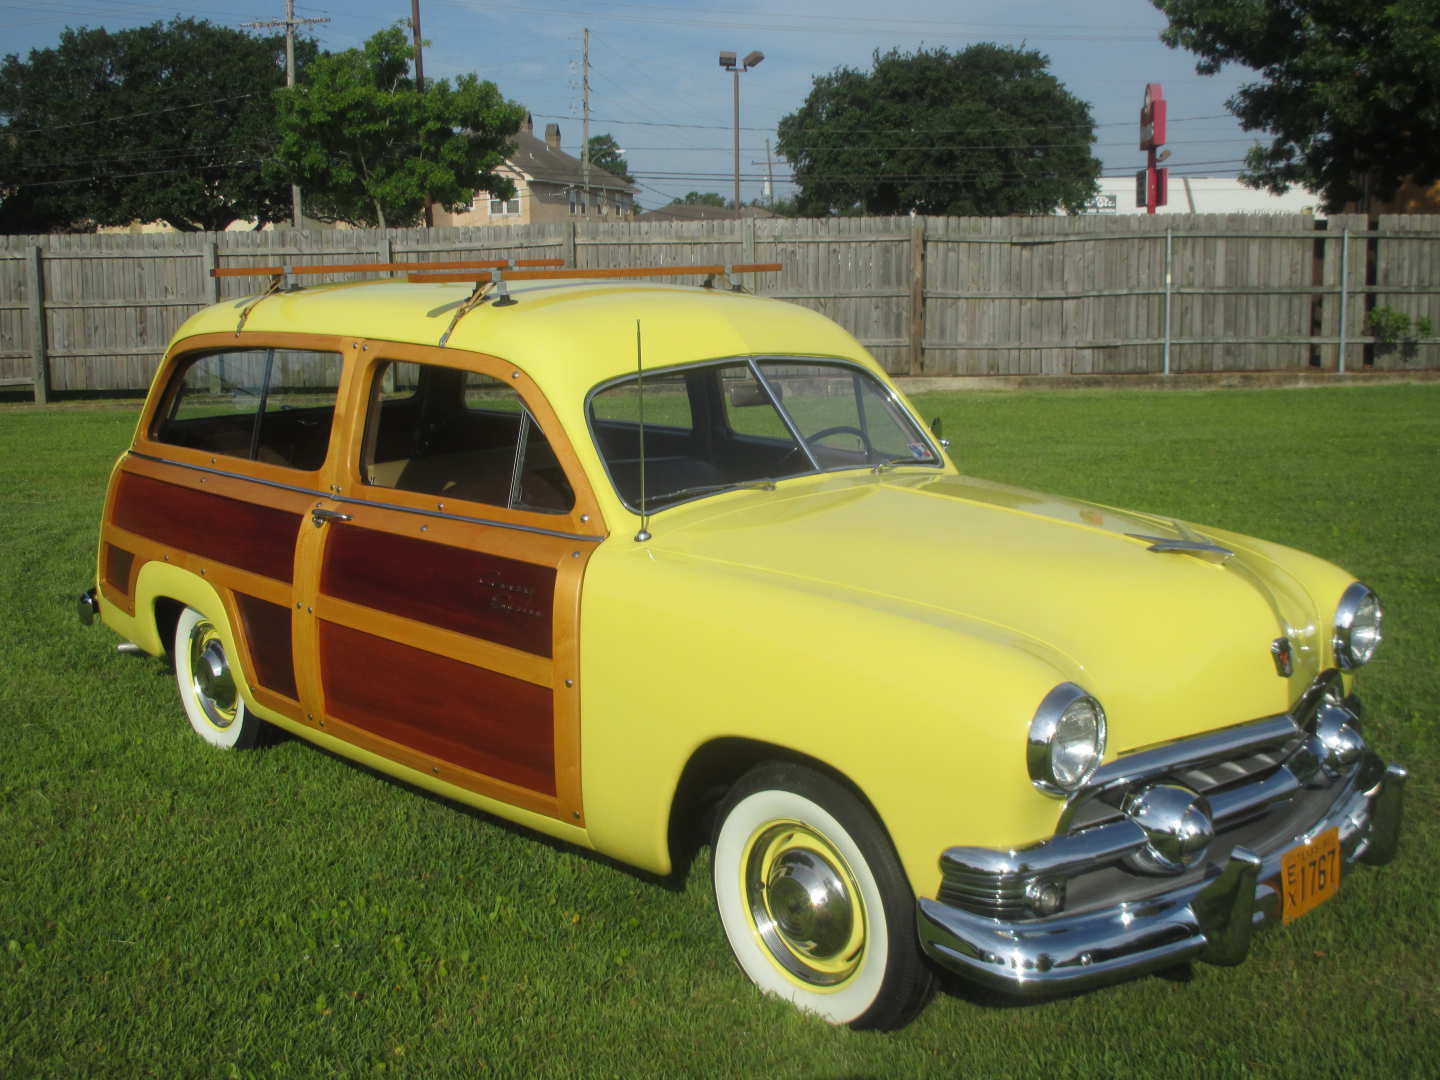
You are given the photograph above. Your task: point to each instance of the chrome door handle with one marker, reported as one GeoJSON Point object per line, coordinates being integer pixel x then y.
{"type": "Point", "coordinates": [320, 516]}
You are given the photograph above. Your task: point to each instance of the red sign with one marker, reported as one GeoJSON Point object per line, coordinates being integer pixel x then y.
{"type": "Point", "coordinates": [1150, 182]}
{"type": "Point", "coordinates": [1152, 117]}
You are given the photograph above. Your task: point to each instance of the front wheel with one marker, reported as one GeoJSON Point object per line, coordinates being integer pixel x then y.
{"type": "Point", "coordinates": [207, 685]}
{"type": "Point", "coordinates": [813, 900]}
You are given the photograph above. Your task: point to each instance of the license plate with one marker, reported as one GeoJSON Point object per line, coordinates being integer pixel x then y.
{"type": "Point", "coordinates": [1310, 874]}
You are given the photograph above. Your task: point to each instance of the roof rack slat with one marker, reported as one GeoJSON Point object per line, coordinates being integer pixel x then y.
{"type": "Point", "coordinates": [357, 268]}
{"type": "Point", "coordinates": [614, 272]}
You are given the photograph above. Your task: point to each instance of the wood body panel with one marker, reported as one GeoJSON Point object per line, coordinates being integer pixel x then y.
{"type": "Point", "coordinates": [119, 564]}
{"type": "Point", "coordinates": [266, 629]}
{"type": "Point", "coordinates": [469, 592]}
{"type": "Point", "coordinates": [242, 534]}
{"type": "Point", "coordinates": [468, 716]}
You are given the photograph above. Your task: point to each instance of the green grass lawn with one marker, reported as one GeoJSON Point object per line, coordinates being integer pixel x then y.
{"type": "Point", "coordinates": [168, 910]}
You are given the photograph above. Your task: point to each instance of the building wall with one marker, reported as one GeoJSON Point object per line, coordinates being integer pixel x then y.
{"type": "Point", "coordinates": [1205, 195]}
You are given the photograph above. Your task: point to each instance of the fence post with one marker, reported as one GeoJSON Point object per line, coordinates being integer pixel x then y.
{"type": "Point", "coordinates": [39, 356]}
{"type": "Point", "coordinates": [209, 261]}
{"type": "Point", "coordinates": [1169, 279]}
{"type": "Point", "coordinates": [917, 296]}
{"type": "Point", "coordinates": [747, 240]}
{"type": "Point", "coordinates": [384, 251]}
{"type": "Point", "coordinates": [568, 250]}
{"type": "Point", "coordinates": [1344, 293]}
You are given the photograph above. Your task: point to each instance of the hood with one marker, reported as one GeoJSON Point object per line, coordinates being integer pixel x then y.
{"type": "Point", "coordinates": [1171, 643]}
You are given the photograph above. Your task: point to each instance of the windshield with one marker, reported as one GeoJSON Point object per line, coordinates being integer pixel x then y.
{"type": "Point", "coordinates": [738, 423]}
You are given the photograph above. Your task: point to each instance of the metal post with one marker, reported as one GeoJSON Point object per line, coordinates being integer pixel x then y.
{"type": "Point", "coordinates": [1169, 279]}
{"type": "Point", "coordinates": [737, 140]}
{"type": "Point", "coordinates": [39, 347]}
{"type": "Point", "coordinates": [585, 126]}
{"type": "Point", "coordinates": [1344, 293]}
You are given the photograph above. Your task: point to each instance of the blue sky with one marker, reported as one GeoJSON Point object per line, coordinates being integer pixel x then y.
{"type": "Point", "coordinates": [656, 86]}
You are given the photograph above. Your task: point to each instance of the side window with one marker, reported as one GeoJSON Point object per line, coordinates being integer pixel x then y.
{"type": "Point", "coordinates": [270, 405]}
{"type": "Point", "coordinates": [442, 431]}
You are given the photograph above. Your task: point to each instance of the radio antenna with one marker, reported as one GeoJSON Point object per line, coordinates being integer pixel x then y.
{"type": "Point", "coordinates": [644, 533]}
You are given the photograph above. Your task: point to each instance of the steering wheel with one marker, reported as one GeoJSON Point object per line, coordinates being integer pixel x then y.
{"type": "Point", "coordinates": [842, 429]}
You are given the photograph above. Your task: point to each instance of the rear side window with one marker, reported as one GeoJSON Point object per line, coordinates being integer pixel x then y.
{"type": "Point", "coordinates": [441, 431]}
{"type": "Point", "coordinates": [270, 405]}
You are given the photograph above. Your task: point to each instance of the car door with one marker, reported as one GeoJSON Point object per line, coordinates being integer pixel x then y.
{"type": "Point", "coordinates": [232, 449]}
{"type": "Point", "coordinates": [442, 578]}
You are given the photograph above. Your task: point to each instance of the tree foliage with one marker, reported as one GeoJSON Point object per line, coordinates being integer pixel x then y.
{"type": "Point", "coordinates": [984, 131]}
{"type": "Point", "coordinates": [1350, 92]}
{"type": "Point", "coordinates": [702, 198]}
{"type": "Point", "coordinates": [605, 153]}
{"type": "Point", "coordinates": [167, 122]}
{"type": "Point", "coordinates": [369, 149]}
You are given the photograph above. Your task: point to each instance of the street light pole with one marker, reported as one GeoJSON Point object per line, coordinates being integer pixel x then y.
{"type": "Point", "coordinates": [729, 63]}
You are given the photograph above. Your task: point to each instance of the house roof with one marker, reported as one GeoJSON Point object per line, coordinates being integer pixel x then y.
{"type": "Point", "coordinates": [538, 160]}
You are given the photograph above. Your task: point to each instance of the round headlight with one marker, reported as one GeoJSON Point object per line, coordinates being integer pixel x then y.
{"type": "Point", "coordinates": [1357, 626]}
{"type": "Point", "coordinates": [1067, 740]}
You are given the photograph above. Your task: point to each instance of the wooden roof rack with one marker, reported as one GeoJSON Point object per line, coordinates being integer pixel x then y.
{"type": "Point", "coordinates": [379, 267]}
{"type": "Point", "coordinates": [488, 282]}
{"type": "Point", "coordinates": [281, 277]}
{"type": "Point", "coordinates": [710, 270]}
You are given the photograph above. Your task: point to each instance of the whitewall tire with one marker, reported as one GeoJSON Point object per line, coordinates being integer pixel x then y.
{"type": "Point", "coordinates": [813, 900]}
{"type": "Point", "coordinates": [208, 688]}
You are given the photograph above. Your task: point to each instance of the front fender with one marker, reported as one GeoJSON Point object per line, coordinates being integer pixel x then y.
{"type": "Point", "coordinates": [926, 713]}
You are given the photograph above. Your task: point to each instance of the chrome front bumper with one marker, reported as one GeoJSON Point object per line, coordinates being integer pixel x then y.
{"type": "Point", "coordinates": [1209, 919]}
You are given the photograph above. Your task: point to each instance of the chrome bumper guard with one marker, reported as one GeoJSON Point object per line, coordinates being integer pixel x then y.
{"type": "Point", "coordinates": [88, 606]}
{"type": "Point", "coordinates": [982, 928]}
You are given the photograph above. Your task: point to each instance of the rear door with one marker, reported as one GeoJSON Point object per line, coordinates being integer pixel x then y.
{"type": "Point", "coordinates": [442, 578]}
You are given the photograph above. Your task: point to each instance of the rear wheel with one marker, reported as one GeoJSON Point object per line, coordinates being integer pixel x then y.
{"type": "Point", "coordinates": [813, 900]}
{"type": "Point", "coordinates": [207, 685]}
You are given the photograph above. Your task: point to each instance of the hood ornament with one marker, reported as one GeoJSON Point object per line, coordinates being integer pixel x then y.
{"type": "Point", "coordinates": [1199, 548]}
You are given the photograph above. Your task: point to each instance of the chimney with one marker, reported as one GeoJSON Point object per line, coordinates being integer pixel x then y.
{"type": "Point", "coordinates": [552, 136]}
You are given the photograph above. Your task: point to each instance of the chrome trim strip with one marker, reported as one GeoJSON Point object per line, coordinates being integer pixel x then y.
{"type": "Point", "coordinates": [332, 497]}
{"type": "Point", "coordinates": [1193, 753]}
{"type": "Point", "coordinates": [1209, 920]}
{"type": "Point", "coordinates": [231, 475]}
{"type": "Point", "coordinates": [1203, 548]}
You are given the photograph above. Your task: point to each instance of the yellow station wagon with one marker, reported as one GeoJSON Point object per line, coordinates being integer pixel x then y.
{"type": "Point", "coordinates": [626, 561]}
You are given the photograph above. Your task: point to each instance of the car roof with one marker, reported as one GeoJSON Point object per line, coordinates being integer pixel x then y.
{"type": "Point", "coordinates": [567, 334]}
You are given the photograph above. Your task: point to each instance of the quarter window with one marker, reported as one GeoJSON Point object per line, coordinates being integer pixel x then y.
{"type": "Point", "coordinates": [275, 406]}
{"type": "Point", "coordinates": [441, 431]}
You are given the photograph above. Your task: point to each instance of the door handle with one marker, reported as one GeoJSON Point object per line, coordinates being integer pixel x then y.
{"type": "Point", "coordinates": [320, 516]}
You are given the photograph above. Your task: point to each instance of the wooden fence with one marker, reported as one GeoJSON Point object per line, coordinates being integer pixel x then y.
{"type": "Point", "coordinates": [928, 296]}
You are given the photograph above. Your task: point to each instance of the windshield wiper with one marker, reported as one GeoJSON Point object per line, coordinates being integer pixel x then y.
{"type": "Point", "coordinates": [765, 484]}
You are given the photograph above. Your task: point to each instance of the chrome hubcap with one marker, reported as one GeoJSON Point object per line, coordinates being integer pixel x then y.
{"type": "Point", "coordinates": [210, 676]}
{"type": "Point", "coordinates": [804, 904]}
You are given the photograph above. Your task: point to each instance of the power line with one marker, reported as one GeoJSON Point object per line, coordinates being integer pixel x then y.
{"type": "Point", "coordinates": [135, 115]}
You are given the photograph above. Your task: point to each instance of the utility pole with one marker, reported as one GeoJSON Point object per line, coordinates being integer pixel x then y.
{"type": "Point", "coordinates": [585, 124]}
{"type": "Point", "coordinates": [769, 164]}
{"type": "Point", "coordinates": [289, 23]}
{"type": "Point", "coordinates": [420, 87]}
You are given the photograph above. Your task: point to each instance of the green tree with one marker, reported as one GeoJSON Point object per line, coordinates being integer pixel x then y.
{"type": "Point", "coordinates": [701, 198]}
{"type": "Point", "coordinates": [1349, 92]}
{"type": "Point", "coordinates": [369, 149]}
{"type": "Point", "coordinates": [169, 122]}
{"type": "Point", "coordinates": [605, 153]}
{"type": "Point", "coordinates": [984, 131]}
